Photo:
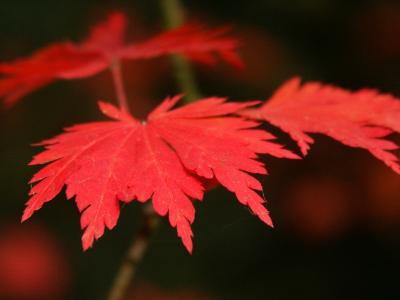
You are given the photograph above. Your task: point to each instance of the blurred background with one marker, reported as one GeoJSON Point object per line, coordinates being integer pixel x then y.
{"type": "Point", "coordinates": [337, 212]}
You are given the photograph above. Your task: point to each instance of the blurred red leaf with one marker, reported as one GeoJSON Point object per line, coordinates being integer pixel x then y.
{"type": "Point", "coordinates": [318, 208]}
{"type": "Point", "coordinates": [32, 265]}
{"type": "Point", "coordinates": [382, 206]}
{"type": "Point", "coordinates": [104, 46]}
{"type": "Point", "coordinates": [43, 67]}
{"type": "Point", "coordinates": [359, 119]}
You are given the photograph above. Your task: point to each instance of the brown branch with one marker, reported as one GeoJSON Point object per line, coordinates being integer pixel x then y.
{"type": "Point", "coordinates": [135, 254]}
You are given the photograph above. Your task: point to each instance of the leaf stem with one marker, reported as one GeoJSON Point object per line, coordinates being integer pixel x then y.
{"type": "Point", "coordinates": [135, 254]}
{"type": "Point", "coordinates": [173, 13]}
{"type": "Point", "coordinates": [119, 86]}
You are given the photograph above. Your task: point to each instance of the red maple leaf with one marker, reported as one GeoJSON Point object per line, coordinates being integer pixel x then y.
{"type": "Point", "coordinates": [358, 119]}
{"type": "Point", "coordinates": [105, 46]}
{"type": "Point", "coordinates": [165, 158]}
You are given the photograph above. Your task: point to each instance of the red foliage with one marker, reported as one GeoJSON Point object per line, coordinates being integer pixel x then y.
{"type": "Point", "coordinates": [165, 158]}
{"type": "Point", "coordinates": [382, 207]}
{"type": "Point", "coordinates": [358, 119]}
{"type": "Point", "coordinates": [104, 46]}
{"type": "Point", "coordinates": [176, 154]}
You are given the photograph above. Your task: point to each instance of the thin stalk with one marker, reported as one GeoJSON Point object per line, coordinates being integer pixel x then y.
{"type": "Point", "coordinates": [119, 86]}
{"type": "Point", "coordinates": [173, 13]}
{"type": "Point", "coordinates": [134, 255]}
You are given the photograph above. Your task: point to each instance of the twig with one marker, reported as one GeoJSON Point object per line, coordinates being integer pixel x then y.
{"type": "Point", "coordinates": [134, 255]}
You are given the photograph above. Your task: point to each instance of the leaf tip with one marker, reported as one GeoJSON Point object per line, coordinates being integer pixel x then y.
{"type": "Point", "coordinates": [270, 223]}
{"type": "Point", "coordinates": [113, 112]}
{"type": "Point", "coordinates": [26, 215]}
{"type": "Point", "coordinates": [266, 218]}
{"type": "Point", "coordinates": [87, 243]}
{"type": "Point", "coordinates": [188, 245]}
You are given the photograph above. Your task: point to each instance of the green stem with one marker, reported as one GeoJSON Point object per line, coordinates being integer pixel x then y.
{"type": "Point", "coordinates": [174, 16]}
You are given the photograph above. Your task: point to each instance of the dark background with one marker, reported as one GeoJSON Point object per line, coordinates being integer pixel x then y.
{"type": "Point", "coordinates": [336, 212]}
